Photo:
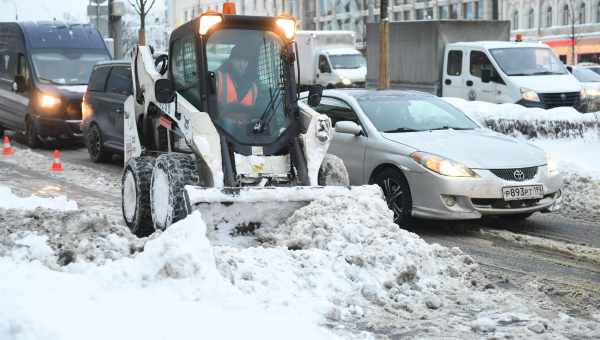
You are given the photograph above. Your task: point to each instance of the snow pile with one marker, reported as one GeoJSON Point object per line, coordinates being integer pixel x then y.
{"type": "Point", "coordinates": [516, 120]}
{"type": "Point", "coordinates": [10, 201]}
{"type": "Point", "coordinates": [337, 268]}
{"type": "Point", "coordinates": [170, 291]}
{"type": "Point", "coordinates": [71, 236]}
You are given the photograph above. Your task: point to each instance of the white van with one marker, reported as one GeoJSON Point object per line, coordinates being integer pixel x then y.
{"type": "Point", "coordinates": [525, 73]}
{"type": "Point", "coordinates": [330, 59]}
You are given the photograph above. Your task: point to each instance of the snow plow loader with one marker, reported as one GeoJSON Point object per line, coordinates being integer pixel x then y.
{"type": "Point", "coordinates": [216, 126]}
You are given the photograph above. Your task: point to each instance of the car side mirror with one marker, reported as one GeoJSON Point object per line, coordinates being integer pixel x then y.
{"type": "Point", "coordinates": [19, 83]}
{"type": "Point", "coordinates": [164, 91]}
{"type": "Point", "coordinates": [346, 126]}
{"type": "Point", "coordinates": [486, 75]}
{"type": "Point", "coordinates": [315, 92]}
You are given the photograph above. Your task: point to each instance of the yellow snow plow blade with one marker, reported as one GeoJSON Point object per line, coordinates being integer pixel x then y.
{"type": "Point", "coordinates": [263, 205]}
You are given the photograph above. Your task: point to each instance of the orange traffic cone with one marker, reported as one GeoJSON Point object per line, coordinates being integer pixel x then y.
{"type": "Point", "coordinates": [7, 150]}
{"type": "Point", "coordinates": [56, 166]}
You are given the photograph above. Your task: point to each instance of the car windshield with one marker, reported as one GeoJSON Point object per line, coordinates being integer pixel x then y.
{"type": "Point", "coordinates": [585, 75]}
{"type": "Point", "coordinates": [410, 114]}
{"type": "Point", "coordinates": [250, 85]}
{"type": "Point", "coordinates": [66, 66]}
{"type": "Point", "coordinates": [528, 61]}
{"type": "Point", "coordinates": [346, 61]}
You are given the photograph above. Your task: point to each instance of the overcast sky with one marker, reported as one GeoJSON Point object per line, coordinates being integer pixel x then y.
{"type": "Point", "coordinates": [43, 9]}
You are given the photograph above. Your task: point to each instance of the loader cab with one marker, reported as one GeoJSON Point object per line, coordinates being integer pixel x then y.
{"type": "Point", "coordinates": [240, 70]}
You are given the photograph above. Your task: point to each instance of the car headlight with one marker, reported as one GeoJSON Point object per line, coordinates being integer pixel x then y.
{"type": "Point", "coordinates": [583, 94]}
{"type": "Point", "coordinates": [441, 165]}
{"type": "Point", "coordinates": [346, 81]}
{"type": "Point", "coordinates": [529, 95]}
{"type": "Point", "coordinates": [592, 93]}
{"type": "Point", "coordinates": [552, 165]}
{"type": "Point", "coordinates": [49, 101]}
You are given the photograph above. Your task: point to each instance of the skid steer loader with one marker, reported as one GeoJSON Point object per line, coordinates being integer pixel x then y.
{"type": "Point", "coordinates": [190, 143]}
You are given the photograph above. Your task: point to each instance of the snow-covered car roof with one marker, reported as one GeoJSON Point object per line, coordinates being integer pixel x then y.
{"type": "Point", "coordinates": [500, 44]}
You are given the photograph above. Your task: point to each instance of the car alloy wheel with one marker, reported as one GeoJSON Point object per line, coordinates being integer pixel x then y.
{"type": "Point", "coordinates": [393, 196]}
{"type": "Point", "coordinates": [95, 145]}
{"type": "Point", "coordinates": [397, 193]}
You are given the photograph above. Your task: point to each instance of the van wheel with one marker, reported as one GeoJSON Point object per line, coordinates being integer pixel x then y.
{"type": "Point", "coordinates": [95, 145]}
{"type": "Point", "coordinates": [31, 134]}
{"type": "Point", "coordinates": [397, 194]}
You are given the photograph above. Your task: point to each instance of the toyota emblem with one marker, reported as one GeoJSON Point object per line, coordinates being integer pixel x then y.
{"type": "Point", "coordinates": [519, 175]}
{"type": "Point", "coordinates": [563, 97]}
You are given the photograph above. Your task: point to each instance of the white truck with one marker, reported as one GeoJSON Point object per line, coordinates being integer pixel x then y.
{"type": "Point", "coordinates": [330, 59]}
{"type": "Point", "coordinates": [474, 60]}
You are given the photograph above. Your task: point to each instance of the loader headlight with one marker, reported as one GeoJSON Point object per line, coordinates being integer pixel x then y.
{"type": "Point", "coordinates": [209, 20]}
{"type": "Point", "coordinates": [552, 164]}
{"type": "Point", "coordinates": [529, 95]}
{"type": "Point", "coordinates": [48, 101]}
{"type": "Point", "coordinates": [288, 25]}
{"type": "Point", "coordinates": [441, 165]}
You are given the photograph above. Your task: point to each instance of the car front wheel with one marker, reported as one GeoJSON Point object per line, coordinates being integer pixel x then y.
{"type": "Point", "coordinates": [397, 194]}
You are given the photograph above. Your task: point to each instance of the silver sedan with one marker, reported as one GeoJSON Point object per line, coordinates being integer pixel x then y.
{"type": "Point", "coordinates": [433, 161]}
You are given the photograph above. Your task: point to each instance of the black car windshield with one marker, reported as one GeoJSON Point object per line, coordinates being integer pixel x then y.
{"type": "Point", "coordinates": [410, 114]}
{"type": "Point", "coordinates": [250, 85]}
{"type": "Point", "coordinates": [585, 75]}
{"type": "Point", "coordinates": [347, 61]}
{"type": "Point", "coordinates": [528, 61]}
{"type": "Point", "coordinates": [66, 66]}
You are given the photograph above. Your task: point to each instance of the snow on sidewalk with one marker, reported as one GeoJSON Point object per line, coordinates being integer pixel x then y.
{"type": "Point", "coordinates": [337, 268]}
{"type": "Point", "coordinates": [10, 201]}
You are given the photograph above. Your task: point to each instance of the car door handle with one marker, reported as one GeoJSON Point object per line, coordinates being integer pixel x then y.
{"type": "Point", "coordinates": [469, 83]}
{"type": "Point", "coordinates": [448, 82]}
{"type": "Point", "coordinates": [118, 110]}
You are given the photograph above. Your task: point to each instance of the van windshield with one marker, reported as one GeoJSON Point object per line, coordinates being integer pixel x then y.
{"type": "Point", "coordinates": [528, 61]}
{"type": "Point", "coordinates": [66, 66]}
{"type": "Point", "coordinates": [345, 61]}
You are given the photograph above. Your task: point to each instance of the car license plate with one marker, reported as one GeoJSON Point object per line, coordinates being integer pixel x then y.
{"type": "Point", "coordinates": [526, 192]}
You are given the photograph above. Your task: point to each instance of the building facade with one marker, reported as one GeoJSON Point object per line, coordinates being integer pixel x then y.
{"type": "Point", "coordinates": [354, 14]}
{"type": "Point", "coordinates": [182, 11]}
{"type": "Point", "coordinates": [571, 27]}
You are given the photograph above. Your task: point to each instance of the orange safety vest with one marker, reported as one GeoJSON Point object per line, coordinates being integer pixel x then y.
{"type": "Point", "coordinates": [232, 97]}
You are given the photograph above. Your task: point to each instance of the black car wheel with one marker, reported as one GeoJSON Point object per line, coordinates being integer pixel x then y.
{"type": "Point", "coordinates": [95, 145]}
{"type": "Point", "coordinates": [31, 134]}
{"type": "Point", "coordinates": [397, 194]}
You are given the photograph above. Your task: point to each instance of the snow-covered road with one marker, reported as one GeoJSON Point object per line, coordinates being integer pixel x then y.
{"type": "Point", "coordinates": [509, 289]}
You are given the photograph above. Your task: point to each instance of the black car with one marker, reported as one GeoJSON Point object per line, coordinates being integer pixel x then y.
{"type": "Point", "coordinates": [44, 70]}
{"type": "Point", "coordinates": [102, 123]}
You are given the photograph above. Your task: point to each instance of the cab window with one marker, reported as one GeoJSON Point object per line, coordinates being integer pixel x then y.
{"type": "Point", "coordinates": [183, 69]}
{"type": "Point", "coordinates": [479, 61]}
{"type": "Point", "coordinates": [324, 65]}
{"type": "Point", "coordinates": [454, 63]}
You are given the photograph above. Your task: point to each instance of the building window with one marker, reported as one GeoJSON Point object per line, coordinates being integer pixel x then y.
{"type": "Point", "coordinates": [406, 15]}
{"type": "Point", "coordinates": [468, 10]}
{"type": "Point", "coordinates": [565, 15]}
{"type": "Point", "coordinates": [478, 9]}
{"type": "Point", "coordinates": [582, 13]}
{"type": "Point", "coordinates": [515, 20]}
{"type": "Point", "coordinates": [429, 12]}
{"type": "Point", "coordinates": [530, 19]}
{"type": "Point", "coordinates": [419, 14]}
{"type": "Point", "coordinates": [397, 16]}
{"type": "Point", "coordinates": [549, 17]}
{"type": "Point", "coordinates": [453, 12]}
{"type": "Point", "coordinates": [443, 12]}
